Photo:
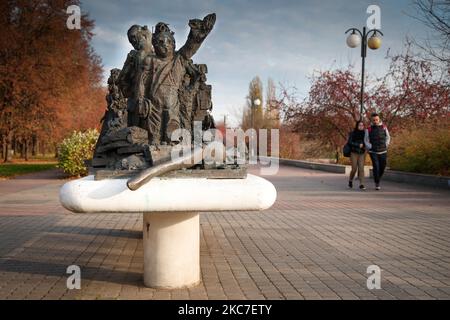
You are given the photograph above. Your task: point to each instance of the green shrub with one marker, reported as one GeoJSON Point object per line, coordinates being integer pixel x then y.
{"type": "Point", "coordinates": [423, 149]}
{"type": "Point", "coordinates": [74, 150]}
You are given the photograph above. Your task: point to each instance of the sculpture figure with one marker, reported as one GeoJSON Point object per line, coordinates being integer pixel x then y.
{"type": "Point", "coordinates": [134, 74]}
{"type": "Point", "coordinates": [164, 90]}
{"type": "Point", "coordinates": [167, 72]}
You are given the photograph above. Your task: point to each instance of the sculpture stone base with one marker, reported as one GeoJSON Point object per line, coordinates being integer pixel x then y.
{"type": "Point", "coordinates": [171, 208]}
{"type": "Point", "coordinates": [171, 249]}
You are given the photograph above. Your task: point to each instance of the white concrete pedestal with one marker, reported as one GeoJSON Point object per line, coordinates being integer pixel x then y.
{"type": "Point", "coordinates": [171, 208]}
{"type": "Point", "coordinates": [171, 249]}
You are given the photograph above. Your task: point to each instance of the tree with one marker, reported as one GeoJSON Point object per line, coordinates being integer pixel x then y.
{"type": "Point", "coordinates": [329, 112]}
{"type": "Point", "coordinates": [253, 114]}
{"type": "Point", "coordinates": [272, 109]}
{"type": "Point", "coordinates": [267, 113]}
{"type": "Point", "coordinates": [412, 92]}
{"type": "Point", "coordinates": [49, 75]}
{"type": "Point", "coordinates": [436, 16]}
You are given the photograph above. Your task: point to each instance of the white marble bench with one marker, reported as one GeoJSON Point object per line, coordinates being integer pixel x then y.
{"type": "Point", "coordinates": [171, 207]}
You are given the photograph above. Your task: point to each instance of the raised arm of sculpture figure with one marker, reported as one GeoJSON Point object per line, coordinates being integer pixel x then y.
{"type": "Point", "coordinates": [199, 31]}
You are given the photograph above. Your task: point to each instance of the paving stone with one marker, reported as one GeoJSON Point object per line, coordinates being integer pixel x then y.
{"type": "Point", "coordinates": [316, 242]}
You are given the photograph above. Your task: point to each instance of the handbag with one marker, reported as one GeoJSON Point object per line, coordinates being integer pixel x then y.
{"type": "Point", "coordinates": [347, 150]}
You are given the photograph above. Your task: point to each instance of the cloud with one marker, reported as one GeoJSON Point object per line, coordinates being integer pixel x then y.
{"type": "Point", "coordinates": [285, 40]}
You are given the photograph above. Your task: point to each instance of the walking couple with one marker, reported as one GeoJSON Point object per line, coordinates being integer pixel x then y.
{"type": "Point", "coordinates": [375, 140]}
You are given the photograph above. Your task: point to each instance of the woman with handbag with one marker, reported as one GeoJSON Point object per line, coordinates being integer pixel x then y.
{"type": "Point", "coordinates": [358, 154]}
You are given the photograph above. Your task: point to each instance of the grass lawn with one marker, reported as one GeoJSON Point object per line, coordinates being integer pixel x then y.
{"type": "Point", "coordinates": [12, 169]}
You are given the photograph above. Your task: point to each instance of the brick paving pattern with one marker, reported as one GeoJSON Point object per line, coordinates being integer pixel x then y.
{"type": "Point", "coordinates": [316, 242]}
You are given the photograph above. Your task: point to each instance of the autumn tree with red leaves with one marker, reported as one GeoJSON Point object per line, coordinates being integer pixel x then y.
{"type": "Point", "coordinates": [413, 91]}
{"type": "Point", "coordinates": [49, 76]}
{"type": "Point", "coordinates": [410, 93]}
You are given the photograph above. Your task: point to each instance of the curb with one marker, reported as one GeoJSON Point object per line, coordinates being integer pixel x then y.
{"type": "Point", "coordinates": [335, 168]}
{"type": "Point", "coordinates": [429, 180]}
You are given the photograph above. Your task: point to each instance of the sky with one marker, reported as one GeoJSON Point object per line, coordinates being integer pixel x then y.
{"type": "Point", "coordinates": [285, 40]}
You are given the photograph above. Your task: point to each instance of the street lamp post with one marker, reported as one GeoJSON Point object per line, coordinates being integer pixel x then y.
{"type": "Point", "coordinates": [255, 104]}
{"type": "Point", "coordinates": [374, 42]}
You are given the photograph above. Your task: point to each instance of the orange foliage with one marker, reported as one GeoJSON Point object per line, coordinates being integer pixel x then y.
{"type": "Point", "coordinates": [49, 75]}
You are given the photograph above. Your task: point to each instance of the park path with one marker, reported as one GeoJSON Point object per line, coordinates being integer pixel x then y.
{"type": "Point", "coordinates": [316, 242]}
{"type": "Point", "coordinates": [32, 194]}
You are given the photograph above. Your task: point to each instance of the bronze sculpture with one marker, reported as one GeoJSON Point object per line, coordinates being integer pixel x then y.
{"type": "Point", "coordinates": [159, 90]}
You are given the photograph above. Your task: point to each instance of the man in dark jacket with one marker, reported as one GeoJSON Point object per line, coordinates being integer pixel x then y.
{"type": "Point", "coordinates": [377, 141]}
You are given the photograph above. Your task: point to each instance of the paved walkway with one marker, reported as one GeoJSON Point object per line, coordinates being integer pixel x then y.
{"type": "Point", "coordinates": [316, 242]}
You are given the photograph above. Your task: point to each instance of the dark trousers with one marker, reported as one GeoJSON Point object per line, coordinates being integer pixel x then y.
{"type": "Point", "coordinates": [379, 164]}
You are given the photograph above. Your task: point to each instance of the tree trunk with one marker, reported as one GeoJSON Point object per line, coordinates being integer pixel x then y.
{"type": "Point", "coordinates": [337, 155]}
{"type": "Point", "coordinates": [26, 149]}
{"type": "Point", "coordinates": [15, 147]}
{"type": "Point", "coordinates": [9, 150]}
{"type": "Point", "coordinates": [22, 149]}
{"type": "Point", "coordinates": [55, 145]}
{"type": "Point", "coordinates": [3, 146]}
{"type": "Point", "coordinates": [34, 141]}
